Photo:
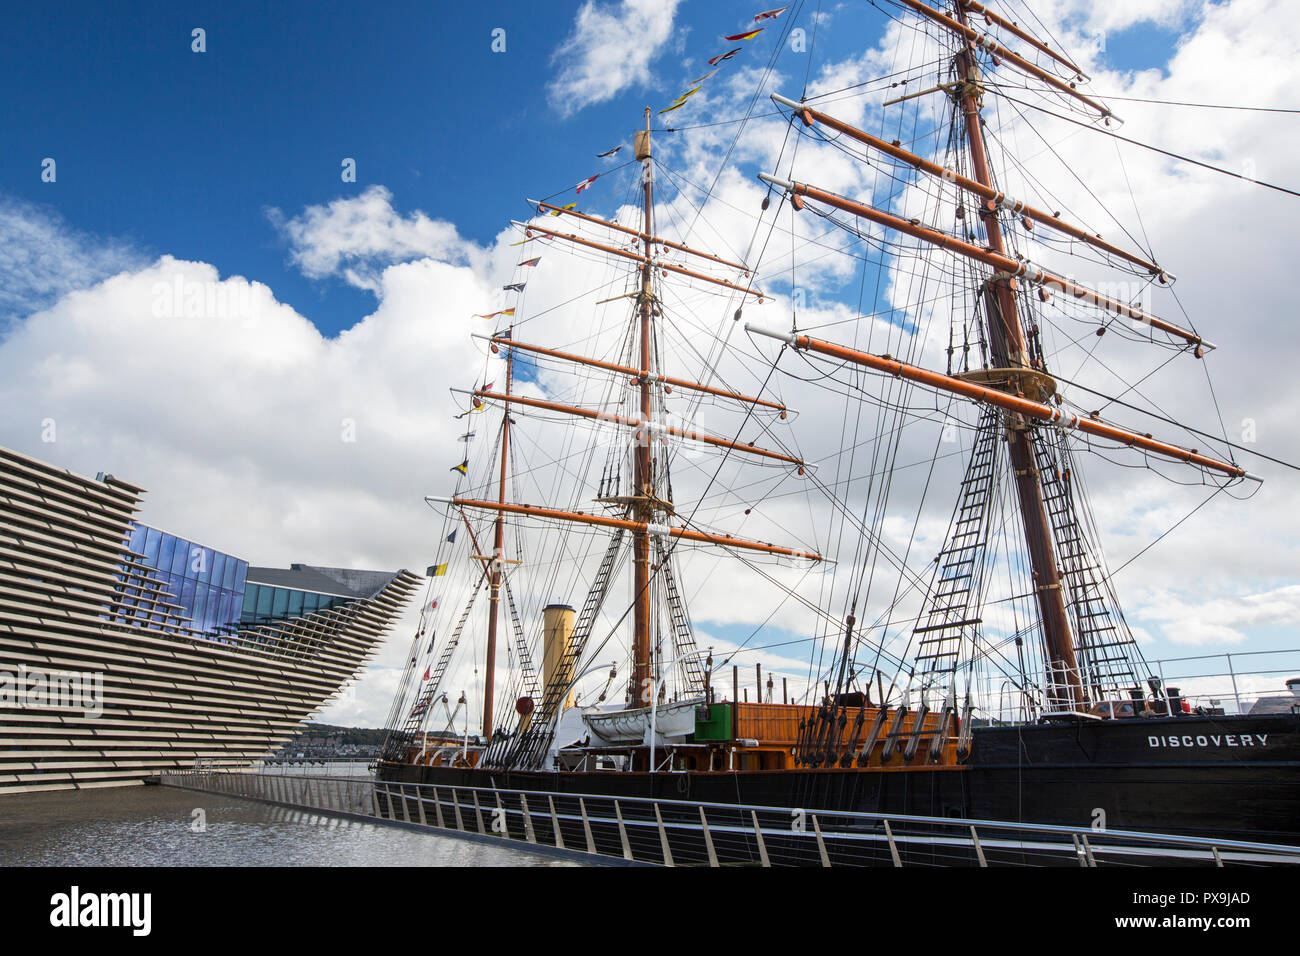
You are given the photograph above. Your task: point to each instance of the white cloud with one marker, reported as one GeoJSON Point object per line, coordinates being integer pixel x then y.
{"type": "Point", "coordinates": [232, 409]}
{"type": "Point", "coordinates": [610, 49]}
{"type": "Point", "coordinates": [44, 258]}
{"type": "Point", "coordinates": [1223, 620]}
{"type": "Point", "coordinates": [356, 238]}
{"type": "Point", "coordinates": [1114, 15]}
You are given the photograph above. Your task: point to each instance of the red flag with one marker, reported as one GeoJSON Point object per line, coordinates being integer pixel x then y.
{"type": "Point", "coordinates": [531, 262]}
{"type": "Point", "coordinates": [744, 36]}
{"type": "Point", "coordinates": [426, 675]}
{"type": "Point", "coordinates": [587, 182]}
{"type": "Point", "coordinates": [724, 56]}
{"type": "Point", "coordinates": [769, 14]}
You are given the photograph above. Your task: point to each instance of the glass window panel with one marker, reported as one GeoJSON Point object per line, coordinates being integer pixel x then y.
{"type": "Point", "coordinates": [264, 595]}
{"type": "Point", "coordinates": [211, 609]}
{"type": "Point", "coordinates": [218, 577]}
{"type": "Point", "coordinates": [200, 604]}
{"type": "Point", "coordinates": [187, 596]}
{"type": "Point", "coordinates": [296, 603]}
{"type": "Point", "coordinates": [225, 610]}
{"type": "Point", "coordinates": [281, 605]}
{"type": "Point", "coordinates": [181, 558]}
{"type": "Point", "coordinates": [166, 548]}
{"type": "Point", "coordinates": [152, 541]}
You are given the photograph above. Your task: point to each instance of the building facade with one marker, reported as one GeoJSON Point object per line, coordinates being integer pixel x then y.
{"type": "Point", "coordinates": [126, 650]}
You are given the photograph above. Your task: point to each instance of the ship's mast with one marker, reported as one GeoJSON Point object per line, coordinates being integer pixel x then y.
{"type": "Point", "coordinates": [498, 563]}
{"type": "Point", "coordinates": [642, 679]}
{"type": "Point", "coordinates": [643, 512]}
{"type": "Point", "coordinates": [1007, 344]}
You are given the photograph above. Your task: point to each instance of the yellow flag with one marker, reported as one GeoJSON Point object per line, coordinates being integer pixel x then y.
{"type": "Point", "coordinates": [438, 570]}
{"type": "Point", "coordinates": [680, 101]}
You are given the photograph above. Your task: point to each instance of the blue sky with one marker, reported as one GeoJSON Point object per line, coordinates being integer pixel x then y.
{"type": "Point", "coordinates": [172, 151]}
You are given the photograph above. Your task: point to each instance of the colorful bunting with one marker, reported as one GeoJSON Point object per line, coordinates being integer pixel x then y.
{"type": "Point", "coordinates": [493, 315]}
{"type": "Point", "coordinates": [609, 152]}
{"type": "Point", "coordinates": [437, 570]}
{"type": "Point", "coordinates": [700, 79]}
{"type": "Point", "coordinates": [451, 538]}
{"type": "Point", "coordinates": [427, 674]}
{"type": "Point", "coordinates": [724, 56]}
{"type": "Point", "coordinates": [680, 101]}
{"type": "Point", "coordinates": [515, 287]}
{"type": "Point", "coordinates": [769, 14]}
{"type": "Point", "coordinates": [744, 36]}
{"type": "Point", "coordinates": [584, 184]}
{"type": "Point", "coordinates": [556, 212]}
{"type": "Point", "coordinates": [463, 467]}
{"type": "Point", "coordinates": [531, 262]}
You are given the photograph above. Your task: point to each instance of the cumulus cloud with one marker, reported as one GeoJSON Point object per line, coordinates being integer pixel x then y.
{"type": "Point", "coordinates": [1092, 16]}
{"type": "Point", "coordinates": [252, 432]}
{"type": "Point", "coordinates": [610, 49]}
{"type": "Point", "coordinates": [1224, 621]}
{"type": "Point", "coordinates": [356, 238]}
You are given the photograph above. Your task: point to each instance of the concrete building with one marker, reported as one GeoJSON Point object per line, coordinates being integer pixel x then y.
{"type": "Point", "coordinates": [125, 650]}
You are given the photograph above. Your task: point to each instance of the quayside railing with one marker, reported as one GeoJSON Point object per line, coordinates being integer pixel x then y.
{"type": "Point", "coordinates": [689, 833]}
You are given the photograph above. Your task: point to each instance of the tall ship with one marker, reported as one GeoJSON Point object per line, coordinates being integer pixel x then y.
{"type": "Point", "coordinates": [634, 451]}
{"type": "Point", "coordinates": [126, 651]}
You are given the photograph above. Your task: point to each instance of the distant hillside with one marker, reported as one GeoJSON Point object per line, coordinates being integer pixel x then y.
{"type": "Point", "coordinates": [330, 740]}
{"type": "Point", "coordinates": [346, 735]}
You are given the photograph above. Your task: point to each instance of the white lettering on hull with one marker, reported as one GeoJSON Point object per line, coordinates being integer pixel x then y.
{"type": "Point", "coordinates": [1174, 741]}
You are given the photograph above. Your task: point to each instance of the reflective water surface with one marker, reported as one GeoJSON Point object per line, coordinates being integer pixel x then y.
{"type": "Point", "coordinates": [162, 826]}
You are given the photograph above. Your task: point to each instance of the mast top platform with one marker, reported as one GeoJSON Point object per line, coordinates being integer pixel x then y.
{"type": "Point", "coordinates": [1020, 380]}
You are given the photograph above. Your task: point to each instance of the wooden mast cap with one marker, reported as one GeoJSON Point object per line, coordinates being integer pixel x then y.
{"type": "Point", "coordinates": [641, 140]}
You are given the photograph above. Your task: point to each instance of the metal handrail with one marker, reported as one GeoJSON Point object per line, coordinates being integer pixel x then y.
{"type": "Point", "coordinates": [837, 826]}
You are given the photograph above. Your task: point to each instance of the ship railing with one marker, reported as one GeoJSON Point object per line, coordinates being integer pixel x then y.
{"type": "Point", "coordinates": [1242, 678]}
{"type": "Point", "coordinates": [683, 832]}
{"type": "Point", "coordinates": [1233, 682]}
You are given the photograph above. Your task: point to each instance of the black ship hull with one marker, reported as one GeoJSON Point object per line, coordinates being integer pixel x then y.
{"type": "Point", "coordinates": [1229, 778]}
